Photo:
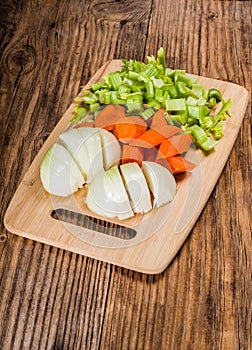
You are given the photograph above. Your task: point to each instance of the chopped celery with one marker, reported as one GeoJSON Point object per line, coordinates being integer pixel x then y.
{"type": "Point", "coordinates": [177, 104]}
{"type": "Point", "coordinates": [147, 113]}
{"type": "Point", "coordinates": [155, 86]}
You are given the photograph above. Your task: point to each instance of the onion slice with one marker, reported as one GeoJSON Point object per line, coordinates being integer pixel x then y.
{"type": "Point", "coordinates": [111, 149]}
{"type": "Point", "coordinates": [73, 141]}
{"type": "Point", "coordinates": [160, 181]}
{"type": "Point", "coordinates": [136, 187]}
{"type": "Point", "coordinates": [59, 173]}
{"type": "Point", "coordinates": [107, 195]}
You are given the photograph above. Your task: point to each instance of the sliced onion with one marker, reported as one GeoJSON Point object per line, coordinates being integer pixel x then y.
{"type": "Point", "coordinates": [136, 187]}
{"type": "Point", "coordinates": [73, 141]}
{"type": "Point", "coordinates": [111, 149]}
{"type": "Point", "coordinates": [59, 173]}
{"type": "Point", "coordinates": [107, 195]}
{"type": "Point", "coordinates": [160, 181]}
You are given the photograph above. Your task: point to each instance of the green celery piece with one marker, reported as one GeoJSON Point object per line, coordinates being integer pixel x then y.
{"type": "Point", "coordinates": [198, 112]}
{"type": "Point", "coordinates": [205, 94]}
{"type": "Point", "coordinates": [214, 93]}
{"type": "Point", "coordinates": [172, 91]}
{"type": "Point", "coordinates": [107, 97]}
{"type": "Point", "coordinates": [91, 98]}
{"type": "Point", "coordinates": [115, 98]}
{"type": "Point", "coordinates": [147, 113]}
{"type": "Point", "coordinates": [172, 72]}
{"type": "Point", "coordinates": [150, 92]}
{"type": "Point", "coordinates": [123, 91]}
{"type": "Point", "coordinates": [150, 71]}
{"type": "Point", "coordinates": [225, 107]}
{"type": "Point", "coordinates": [127, 81]}
{"type": "Point", "coordinates": [94, 106]}
{"type": "Point", "coordinates": [79, 112]}
{"type": "Point", "coordinates": [157, 82]}
{"type": "Point", "coordinates": [115, 80]}
{"type": "Point", "coordinates": [153, 103]}
{"type": "Point", "coordinates": [135, 97]}
{"type": "Point", "coordinates": [134, 75]}
{"type": "Point", "coordinates": [138, 87]}
{"type": "Point", "coordinates": [178, 76]}
{"type": "Point", "coordinates": [134, 108]}
{"type": "Point", "coordinates": [98, 85]}
{"type": "Point", "coordinates": [180, 117]}
{"type": "Point", "coordinates": [207, 122]}
{"type": "Point", "coordinates": [191, 101]}
{"type": "Point", "coordinates": [158, 94]}
{"type": "Point", "coordinates": [197, 89]}
{"type": "Point", "coordinates": [161, 57]}
{"type": "Point", "coordinates": [217, 131]}
{"type": "Point", "coordinates": [201, 101]}
{"type": "Point", "coordinates": [211, 102]}
{"type": "Point", "coordinates": [201, 138]}
{"type": "Point", "coordinates": [177, 104]}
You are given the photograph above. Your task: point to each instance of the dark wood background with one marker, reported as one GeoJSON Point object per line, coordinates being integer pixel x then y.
{"type": "Point", "coordinates": [54, 299]}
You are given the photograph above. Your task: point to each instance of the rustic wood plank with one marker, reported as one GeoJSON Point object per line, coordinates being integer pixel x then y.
{"type": "Point", "coordinates": [52, 299]}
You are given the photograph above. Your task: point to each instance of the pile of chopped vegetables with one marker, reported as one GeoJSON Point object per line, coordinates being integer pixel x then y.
{"type": "Point", "coordinates": [147, 87]}
{"type": "Point", "coordinates": [142, 140]}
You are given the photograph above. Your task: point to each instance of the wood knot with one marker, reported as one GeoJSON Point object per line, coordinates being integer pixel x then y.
{"type": "Point", "coordinates": [19, 59]}
{"type": "Point", "coordinates": [3, 238]}
{"type": "Point", "coordinates": [212, 16]}
{"type": "Point", "coordinates": [121, 11]}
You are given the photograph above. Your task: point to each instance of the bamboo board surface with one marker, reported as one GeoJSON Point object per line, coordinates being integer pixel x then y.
{"type": "Point", "coordinates": [159, 234]}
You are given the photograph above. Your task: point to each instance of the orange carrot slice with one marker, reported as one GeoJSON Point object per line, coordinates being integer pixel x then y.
{"type": "Point", "coordinates": [108, 116]}
{"type": "Point", "coordinates": [129, 128]}
{"type": "Point", "coordinates": [176, 144]}
{"type": "Point", "coordinates": [131, 154]}
{"type": "Point", "coordinates": [179, 164]}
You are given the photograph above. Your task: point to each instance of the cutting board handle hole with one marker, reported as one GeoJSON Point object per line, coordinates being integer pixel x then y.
{"type": "Point", "coordinates": [91, 223]}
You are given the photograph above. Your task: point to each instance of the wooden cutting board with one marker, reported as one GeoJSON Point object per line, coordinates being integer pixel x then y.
{"type": "Point", "coordinates": [145, 243]}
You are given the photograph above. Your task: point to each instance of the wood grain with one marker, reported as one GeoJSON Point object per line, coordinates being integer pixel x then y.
{"type": "Point", "coordinates": [52, 299]}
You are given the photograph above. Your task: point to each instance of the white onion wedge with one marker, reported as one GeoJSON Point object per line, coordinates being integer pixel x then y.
{"type": "Point", "coordinates": [107, 195]}
{"type": "Point", "coordinates": [136, 187]}
{"type": "Point", "coordinates": [111, 149]}
{"type": "Point", "coordinates": [94, 148]}
{"type": "Point", "coordinates": [73, 141]}
{"type": "Point", "coordinates": [59, 173]}
{"type": "Point", "coordinates": [160, 181]}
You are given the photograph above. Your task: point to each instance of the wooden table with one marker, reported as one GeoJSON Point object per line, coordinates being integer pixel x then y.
{"type": "Point", "coordinates": [54, 299]}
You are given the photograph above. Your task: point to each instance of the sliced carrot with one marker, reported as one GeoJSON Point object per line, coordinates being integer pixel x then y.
{"type": "Point", "coordinates": [131, 154]}
{"type": "Point", "coordinates": [179, 164]}
{"type": "Point", "coordinates": [108, 116]}
{"type": "Point", "coordinates": [176, 144]}
{"type": "Point", "coordinates": [148, 139]}
{"type": "Point", "coordinates": [159, 123]}
{"type": "Point", "coordinates": [158, 120]}
{"type": "Point", "coordinates": [129, 128]}
{"type": "Point", "coordinates": [90, 124]}
{"type": "Point", "coordinates": [120, 111]}
{"type": "Point", "coordinates": [164, 162]}
{"type": "Point", "coordinates": [150, 154]}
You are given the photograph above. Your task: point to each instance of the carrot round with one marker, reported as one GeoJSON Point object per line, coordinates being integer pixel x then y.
{"type": "Point", "coordinates": [176, 144]}
{"type": "Point", "coordinates": [179, 164]}
{"type": "Point", "coordinates": [148, 139]}
{"type": "Point", "coordinates": [108, 116]}
{"type": "Point", "coordinates": [131, 154]}
{"type": "Point", "coordinates": [129, 128]}
{"type": "Point", "coordinates": [158, 120]}
{"type": "Point", "coordinates": [150, 154]}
